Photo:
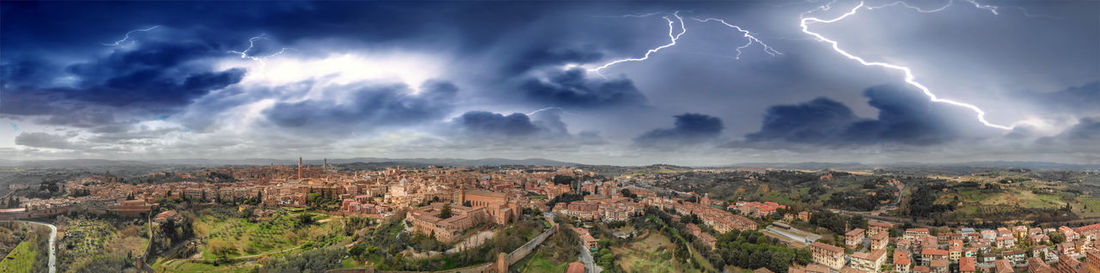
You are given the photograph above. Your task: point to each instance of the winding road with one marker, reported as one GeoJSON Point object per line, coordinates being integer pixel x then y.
{"type": "Point", "coordinates": [53, 243]}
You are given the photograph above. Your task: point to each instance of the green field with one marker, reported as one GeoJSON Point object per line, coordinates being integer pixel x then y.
{"type": "Point", "coordinates": [21, 259]}
{"type": "Point", "coordinates": [277, 233]}
{"type": "Point", "coordinates": [1088, 206]}
{"type": "Point", "coordinates": [87, 237]}
{"type": "Point", "coordinates": [187, 267]}
{"type": "Point", "coordinates": [539, 264]}
{"type": "Point", "coordinates": [239, 245]}
{"type": "Point", "coordinates": [85, 240]}
{"type": "Point", "coordinates": [650, 253]}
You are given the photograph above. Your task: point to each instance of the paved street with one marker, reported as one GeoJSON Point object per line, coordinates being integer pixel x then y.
{"type": "Point", "coordinates": [589, 262]}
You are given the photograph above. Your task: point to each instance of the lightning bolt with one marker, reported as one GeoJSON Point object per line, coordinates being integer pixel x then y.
{"type": "Point", "coordinates": [252, 43]}
{"type": "Point", "coordinates": [748, 36]}
{"type": "Point", "coordinates": [546, 109]}
{"type": "Point", "coordinates": [672, 36]}
{"type": "Point", "coordinates": [908, 6]}
{"type": "Point", "coordinates": [639, 15]}
{"type": "Point", "coordinates": [990, 8]}
{"type": "Point", "coordinates": [910, 78]}
{"type": "Point", "coordinates": [127, 36]}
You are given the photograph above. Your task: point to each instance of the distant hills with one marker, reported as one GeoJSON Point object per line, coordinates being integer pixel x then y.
{"type": "Point", "coordinates": [1035, 165]}
{"type": "Point", "coordinates": [458, 162]}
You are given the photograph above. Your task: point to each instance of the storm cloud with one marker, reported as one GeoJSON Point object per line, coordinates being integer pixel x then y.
{"type": "Point", "coordinates": [576, 88]}
{"type": "Point", "coordinates": [516, 79]}
{"type": "Point", "coordinates": [904, 117]}
{"type": "Point", "coordinates": [689, 128]}
{"type": "Point", "coordinates": [152, 79]}
{"type": "Point", "coordinates": [366, 108]}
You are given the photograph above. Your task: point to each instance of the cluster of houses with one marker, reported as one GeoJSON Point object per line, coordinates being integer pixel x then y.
{"type": "Point", "coordinates": [757, 209]}
{"type": "Point", "coordinates": [720, 220]}
{"type": "Point", "coordinates": [966, 250]}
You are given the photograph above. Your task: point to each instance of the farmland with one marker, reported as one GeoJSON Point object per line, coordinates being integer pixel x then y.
{"type": "Point", "coordinates": [21, 259]}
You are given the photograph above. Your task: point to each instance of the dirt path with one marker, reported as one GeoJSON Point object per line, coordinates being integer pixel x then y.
{"type": "Point", "coordinates": [53, 244]}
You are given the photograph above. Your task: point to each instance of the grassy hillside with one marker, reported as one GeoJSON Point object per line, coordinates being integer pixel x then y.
{"type": "Point", "coordinates": [21, 259]}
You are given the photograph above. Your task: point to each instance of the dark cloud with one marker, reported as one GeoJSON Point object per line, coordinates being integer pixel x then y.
{"type": "Point", "coordinates": [154, 78]}
{"type": "Point", "coordinates": [543, 129]}
{"type": "Point", "coordinates": [1074, 99]}
{"type": "Point", "coordinates": [547, 56]}
{"type": "Point", "coordinates": [1087, 129]}
{"type": "Point", "coordinates": [368, 108]}
{"type": "Point", "coordinates": [25, 73]}
{"type": "Point", "coordinates": [56, 73]}
{"type": "Point", "coordinates": [689, 128]}
{"type": "Point", "coordinates": [493, 124]}
{"type": "Point", "coordinates": [43, 140]}
{"type": "Point", "coordinates": [575, 89]}
{"type": "Point", "coordinates": [816, 121]}
{"type": "Point", "coordinates": [904, 116]}
{"type": "Point", "coordinates": [550, 120]}
{"type": "Point", "coordinates": [153, 75]}
{"type": "Point", "coordinates": [467, 25]}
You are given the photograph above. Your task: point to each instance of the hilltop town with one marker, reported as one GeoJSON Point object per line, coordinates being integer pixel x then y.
{"type": "Point", "coordinates": [344, 218]}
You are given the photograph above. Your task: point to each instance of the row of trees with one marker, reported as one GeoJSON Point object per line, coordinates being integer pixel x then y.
{"type": "Point", "coordinates": [322, 198]}
{"type": "Point", "coordinates": [662, 221]}
{"type": "Point", "coordinates": [837, 223]}
{"type": "Point", "coordinates": [752, 249]}
{"type": "Point", "coordinates": [745, 249]}
{"type": "Point", "coordinates": [309, 261]}
{"type": "Point", "coordinates": [860, 200]}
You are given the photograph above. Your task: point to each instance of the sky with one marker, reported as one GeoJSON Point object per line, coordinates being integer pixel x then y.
{"type": "Point", "coordinates": [625, 83]}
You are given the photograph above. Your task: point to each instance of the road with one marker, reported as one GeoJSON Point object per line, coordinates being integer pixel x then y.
{"type": "Point", "coordinates": [589, 262]}
{"type": "Point", "coordinates": [53, 244]}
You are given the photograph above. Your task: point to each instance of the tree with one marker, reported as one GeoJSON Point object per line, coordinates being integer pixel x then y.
{"type": "Point", "coordinates": [221, 249]}
{"type": "Point", "coordinates": [13, 202]}
{"type": "Point", "coordinates": [627, 193]}
{"type": "Point", "coordinates": [305, 219]}
{"type": "Point", "coordinates": [563, 179]}
{"type": "Point", "coordinates": [1057, 238]}
{"type": "Point", "coordinates": [315, 260]}
{"type": "Point", "coordinates": [445, 212]}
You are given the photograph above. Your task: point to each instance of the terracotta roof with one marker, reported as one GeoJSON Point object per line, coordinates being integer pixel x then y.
{"type": "Point", "coordinates": [575, 267]}
{"type": "Point", "coordinates": [901, 258]}
{"type": "Point", "coordinates": [967, 264]}
{"type": "Point", "coordinates": [854, 232]}
{"type": "Point", "coordinates": [1003, 266]}
{"type": "Point", "coordinates": [827, 247]}
{"type": "Point", "coordinates": [933, 251]}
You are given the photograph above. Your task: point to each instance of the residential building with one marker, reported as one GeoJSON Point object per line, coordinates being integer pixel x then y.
{"type": "Point", "coordinates": [902, 261]}
{"type": "Point", "coordinates": [876, 227]}
{"type": "Point", "coordinates": [828, 255]}
{"type": "Point", "coordinates": [880, 241]}
{"type": "Point", "coordinates": [968, 265]}
{"type": "Point", "coordinates": [854, 238]}
{"type": "Point", "coordinates": [868, 261]}
{"type": "Point", "coordinates": [929, 254]}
